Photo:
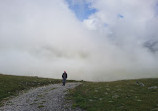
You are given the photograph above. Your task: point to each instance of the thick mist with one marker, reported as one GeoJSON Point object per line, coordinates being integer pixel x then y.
{"type": "Point", "coordinates": [44, 38]}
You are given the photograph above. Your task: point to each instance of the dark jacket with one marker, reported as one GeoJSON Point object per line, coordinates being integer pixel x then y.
{"type": "Point", "coordinates": [64, 76]}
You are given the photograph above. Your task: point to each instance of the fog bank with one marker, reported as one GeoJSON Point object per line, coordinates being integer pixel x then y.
{"type": "Point", "coordinates": [43, 38]}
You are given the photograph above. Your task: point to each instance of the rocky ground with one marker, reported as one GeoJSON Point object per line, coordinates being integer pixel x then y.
{"type": "Point", "coordinates": [46, 98]}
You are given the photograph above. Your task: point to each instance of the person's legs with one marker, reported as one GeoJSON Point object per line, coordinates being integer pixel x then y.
{"type": "Point", "coordinates": [64, 81]}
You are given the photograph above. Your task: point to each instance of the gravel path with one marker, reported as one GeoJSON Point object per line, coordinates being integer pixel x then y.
{"type": "Point", "coordinates": [46, 98]}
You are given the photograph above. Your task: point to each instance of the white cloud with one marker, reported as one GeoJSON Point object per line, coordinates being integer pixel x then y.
{"type": "Point", "coordinates": [44, 38]}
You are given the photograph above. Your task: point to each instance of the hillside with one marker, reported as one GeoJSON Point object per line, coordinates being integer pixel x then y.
{"type": "Point", "coordinates": [12, 85]}
{"type": "Point", "coordinates": [125, 95]}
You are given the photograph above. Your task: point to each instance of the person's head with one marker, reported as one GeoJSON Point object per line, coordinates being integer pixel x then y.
{"type": "Point", "coordinates": [64, 71]}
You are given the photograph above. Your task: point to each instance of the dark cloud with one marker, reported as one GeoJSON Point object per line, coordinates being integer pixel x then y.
{"type": "Point", "coordinates": [152, 45]}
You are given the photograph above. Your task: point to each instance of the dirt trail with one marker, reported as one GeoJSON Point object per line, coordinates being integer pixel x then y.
{"type": "Point", "coordinates": [46, 98]}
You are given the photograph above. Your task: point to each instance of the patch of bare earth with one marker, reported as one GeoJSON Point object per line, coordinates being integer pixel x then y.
{"type": "Point", "coordinates": [46, 98]}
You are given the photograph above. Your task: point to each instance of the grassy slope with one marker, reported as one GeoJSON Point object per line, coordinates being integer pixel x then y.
{"type": "Point", "coordinates": [123, 95]}
{"type": "Point", "coordinates": [11, 85]}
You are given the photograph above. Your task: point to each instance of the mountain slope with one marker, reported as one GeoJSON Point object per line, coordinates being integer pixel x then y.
{"type": "Point", "coordinates": [125, 95]}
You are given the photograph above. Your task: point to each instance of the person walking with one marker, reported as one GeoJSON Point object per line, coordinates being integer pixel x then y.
{"type": "Point", "coordinates": [64, 76]}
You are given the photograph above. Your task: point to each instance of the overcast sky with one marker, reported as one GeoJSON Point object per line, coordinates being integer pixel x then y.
{"type": "Point", "coordinates": [96, 40]}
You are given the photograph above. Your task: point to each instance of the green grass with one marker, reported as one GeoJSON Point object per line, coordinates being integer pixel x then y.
{"type": "Point", "coordinates": [40, 106]}
{"type": "Point", "coordinates": [123, 95]}
{"type": "Point", "coordinates": [11, 85]}
{"type": "Point", "coordinates": [52, 88]}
